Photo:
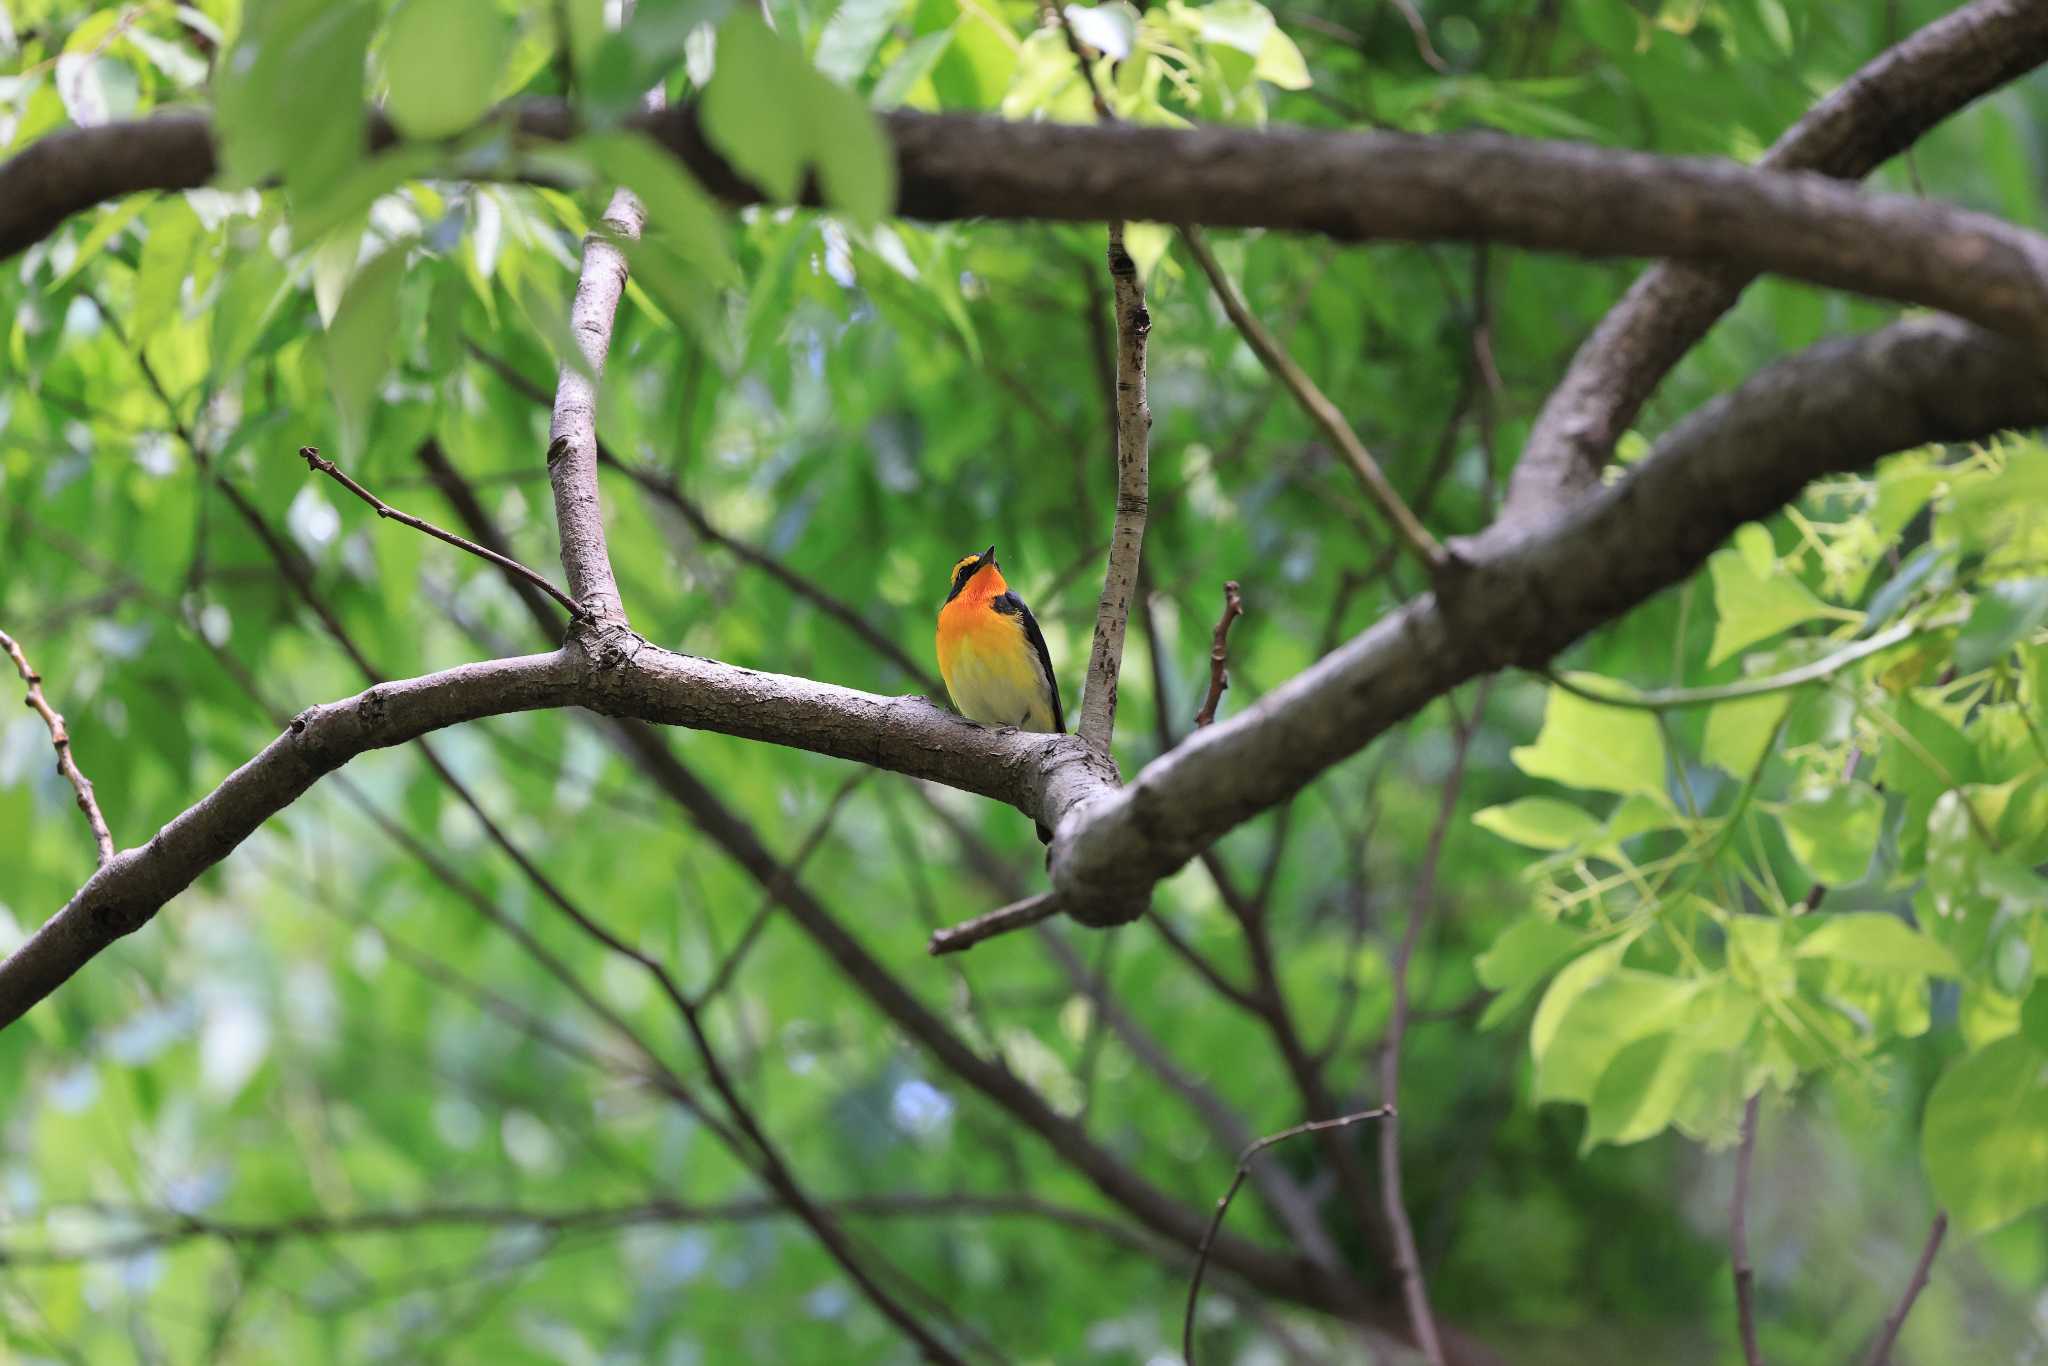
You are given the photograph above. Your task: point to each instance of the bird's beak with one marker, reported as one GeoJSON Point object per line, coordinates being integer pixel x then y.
{"type": "Point", "coordinates": [989, 556]}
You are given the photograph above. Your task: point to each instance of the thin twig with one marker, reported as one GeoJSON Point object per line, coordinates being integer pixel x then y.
{"type": "Point", "coordinates": [1001, 920]}
{"type": "Point", "coordinates": [1428, 551]}
{"type": "Point", "coordinates": [1881, 1353]}
{"type": "Point", "coordinates": [314, 460]}
{"type": "Point", "coordinates": [1244, 1166]}
{"type": "Point", "coordinates": [1407, 1259]}
{"type": "Point", "coordinates": [60, 740]}
{"type": "Point", "coordinates": [1423, 47]}
{"type": "Point", "coordinates": [1819, 670]}
{"type": "Point", "coordinates": [1738, 1240]}
{"type": "Point", "coordinates": [1219, 653]}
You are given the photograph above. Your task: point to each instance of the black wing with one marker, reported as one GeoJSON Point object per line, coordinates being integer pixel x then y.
{"type": "Point", "coordinates": [1009, 604]}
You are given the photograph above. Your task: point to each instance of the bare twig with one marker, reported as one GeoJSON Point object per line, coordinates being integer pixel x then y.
{"type": "Point", "coordinates": [1428, 551]}
{"type": "Point", "coordinates": [1407, 1260]}
{"type": "Point", "coordinates": [1423, 47]}
{"type": "Point", "coordinates": [1881, 1351]}
{"type": "Point", "coordinates": [315, 460]}
{"type": "Point", "coordinates": [1002, 920]}
{"type": "Point", "coordinates": [1738, 1240]}
{"type": "Point", "coordinates": [1244, 1160]}
{"type": "Point", "coordinates": [60, 740]}
{"type": "Point", "coordinates": [1219, 653]}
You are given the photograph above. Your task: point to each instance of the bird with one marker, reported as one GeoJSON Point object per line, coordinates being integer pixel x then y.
{"type": "Point", "coordinates": [992, 654]}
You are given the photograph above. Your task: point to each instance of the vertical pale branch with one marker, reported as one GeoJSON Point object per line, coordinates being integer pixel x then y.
{"type": "Point", "coordinates": [1133, 477]}
{"type": "Point", "coordinates": [1881, 1352]}
{"type": "Point", "coordinates": [572, 432]}
{"type": "Point", "coordinates": [60, 740]}
{"type": "Point", "coordinates": [1738, 1240]}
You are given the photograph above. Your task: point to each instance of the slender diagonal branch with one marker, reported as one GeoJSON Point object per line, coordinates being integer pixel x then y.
{"type": "Point", "coordinates": [1187, 1332]}
{"type": "Point", "coordinates": [1738, 1240]}
{"type": "Point", "coordinates": [1219, 653]}
{"type": "Point", "coordinates": [1407, 1259]}
{"type": "Point", "coordinates": [314, 460]}
{"type": "Point", "coordinates": [60, 740]}
{"type": "Point", "coordinates": [1881, 1350]}
{"type": "Point", "coordinates": [1407, 528]}
{"type": "Point", "coordinates": [1001, 920]}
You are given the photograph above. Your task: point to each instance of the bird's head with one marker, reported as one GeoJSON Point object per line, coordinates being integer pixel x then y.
{"type": "Point", "coordinates": [979, 570]}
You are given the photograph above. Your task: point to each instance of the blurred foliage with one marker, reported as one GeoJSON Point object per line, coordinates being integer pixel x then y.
{"type": "Point", "coordinates": [319, 1024]}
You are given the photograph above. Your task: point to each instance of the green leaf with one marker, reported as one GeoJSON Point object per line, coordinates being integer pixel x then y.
{"type": "Point", "coordinates": [1750, 607]}
{"type": "Point", "coordinates": [1984, 1139]}
{"type": "Point", "coordinates": [1280, 63]}
{"type": "Point", "coordinates": [1654, 1080]}
{"type": "Point", "coordinates": [1525, 952]}
{"type": "Point", "coordinates": [170, 234]}
{"type": "Point", "coordinates": [1834, 833]}
{"type": "Point", "coordinates": [1759, 555]}
{"type": "Point", "coordinates": [2005, 612]}
{"type": "Point", "coordinates": [851, 36]}
{"type": "Point", "coordinates": [775, 116]}
{"type": "Point", "coordinates": [2034, 1016]}
{"type": "Point", "coordinates": [1602, 1019]}
{"type": "Point", "coordinates": [359, 344]}
{"type": "Point", "coordinates": [288, 99]}
{"type": "Point", "coordinates": [1874, 939]}
{"type": "Point", "coordinates": [1606, 749]}
{"type": "Point", "coordinates": [677, 208]}
{"type": "Point", "coordinates": [1240, 24]}
{"type": "Point", "coordinates": [254, 287]}
{"type": "Point", "coordinates": [442, 59]}
{"type": "Point", "coordinates": [912, 65]}
{"type": "Point", "coordinates": [109, 222]}
{"type": "Point", "coordinates": [1539, 823]}
{"type": "Point", "coordinates": [1739, 733]}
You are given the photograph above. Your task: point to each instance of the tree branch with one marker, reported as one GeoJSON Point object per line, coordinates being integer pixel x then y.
{"type": "Point", "coordinates": [1879, 111]}
{"type": "Point", "coordinates": [1407, 1260]}
{"type": "Point", "coordinates": [1531, 591]}
{"type": "Point", "coordinates": [572, 431]}
{"type": "Point", "coordinates": [1187, 1332]}
{"type": "Point", "coordinates": [1001, 920]}
{"type": "Point", "coordinates": [1881, 1351]}
{"type": "Point", "coordinates": [1427, 550]}
{"type": "Point", "coordinates": [60, 740]}
{"type": "Point", "coordinates": [1526, 595]}
{"type": "Point", "coordinates": [1133, 478]}
{"type": "Point", "coordinates": [1219, 653]}
{"type": "Point", "coordinates": [314, 460]}
{"type": "Point", "coordinates": [1738, 1240]}
{"type": "Point", "coordinates": [1349, 186]}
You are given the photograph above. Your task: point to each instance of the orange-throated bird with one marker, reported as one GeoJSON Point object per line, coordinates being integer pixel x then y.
{"type": "Point", "coordinates": [993, 656]}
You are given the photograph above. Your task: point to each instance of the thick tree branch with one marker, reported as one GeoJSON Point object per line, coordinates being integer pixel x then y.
{"type": "Point", "coordinates": [60, 740]}
{"type": "Point", "coordinates": [1879, 111]}
{"type": "Point", "coordinates": [1133, 482]}
{"type": "Point", "coordinates": [1350, 186]}
{"type": "Point", "coordinates": [1531, 591]}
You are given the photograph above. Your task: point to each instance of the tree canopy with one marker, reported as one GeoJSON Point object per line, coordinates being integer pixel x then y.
{"type": "Point", "coordinates": [1537, 514]}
